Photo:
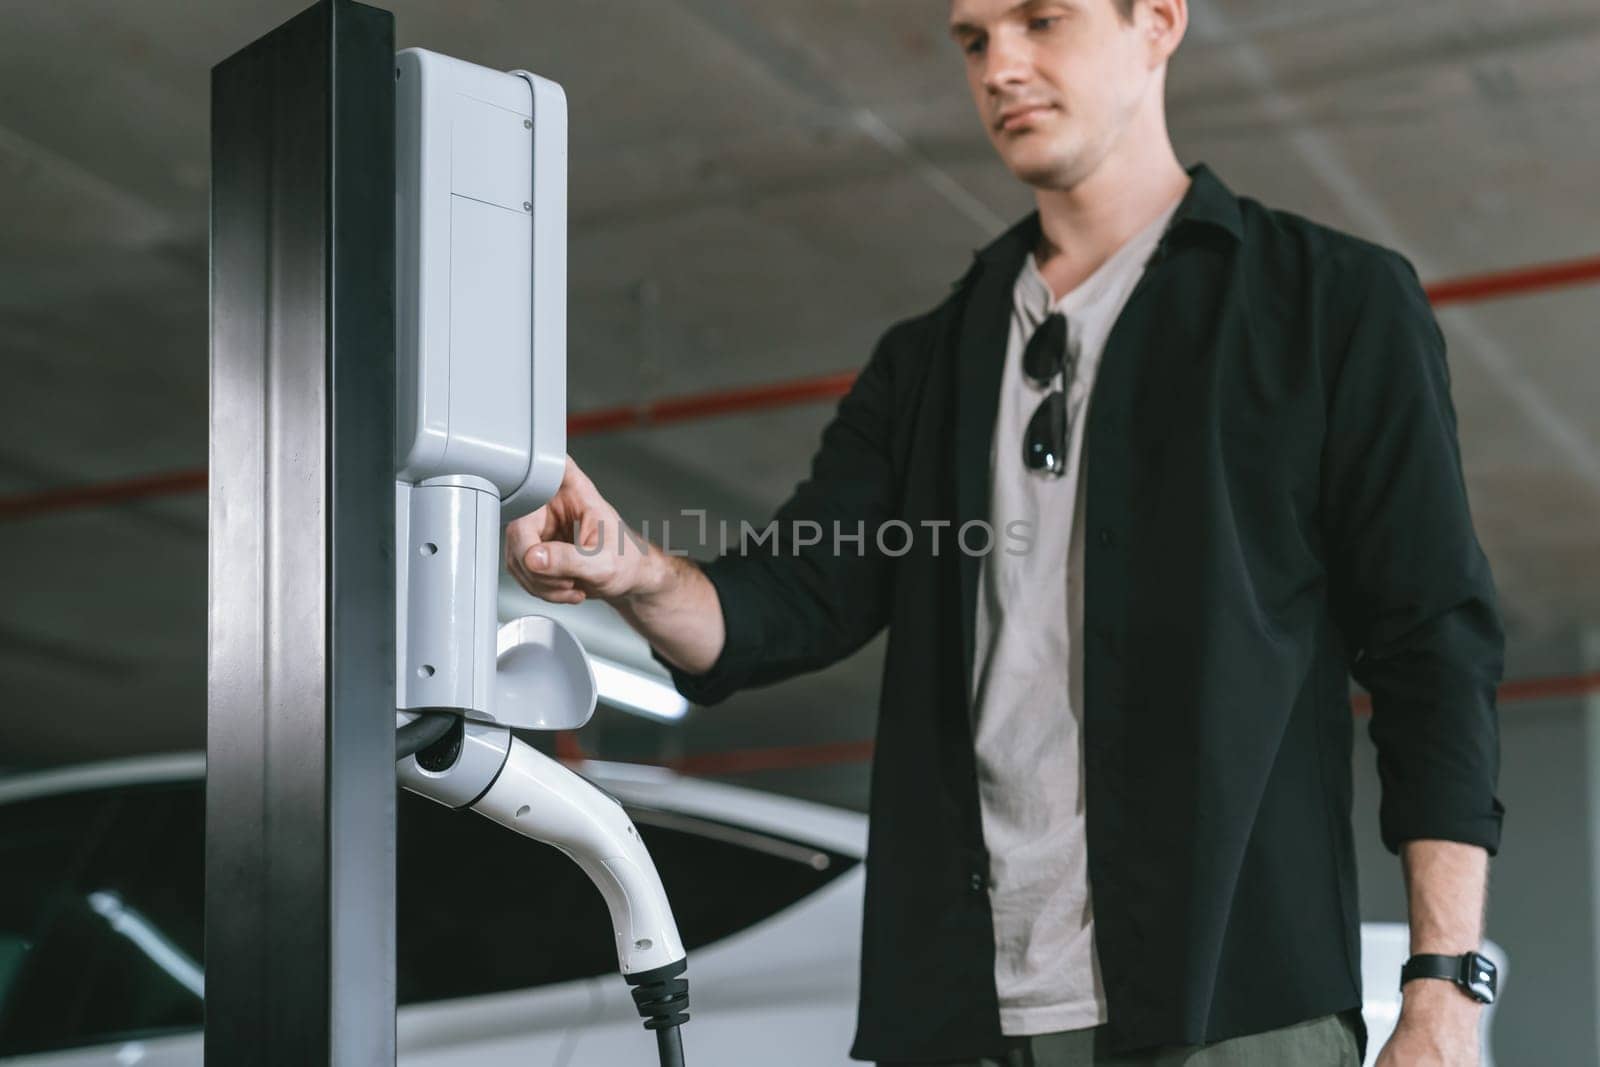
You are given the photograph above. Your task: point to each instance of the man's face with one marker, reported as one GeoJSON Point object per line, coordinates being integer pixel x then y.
{"type": "Point", "coordinates": [1057, 82]}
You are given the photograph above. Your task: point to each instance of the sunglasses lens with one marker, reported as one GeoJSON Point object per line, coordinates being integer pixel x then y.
{"type": "Point", "coordinates": [1044, 446]}
{"type": "Point", "coordinates": [1046, 349]}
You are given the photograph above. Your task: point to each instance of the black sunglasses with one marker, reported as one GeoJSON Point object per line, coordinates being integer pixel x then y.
{"type": "Point", "coordinates": [1044, 445]}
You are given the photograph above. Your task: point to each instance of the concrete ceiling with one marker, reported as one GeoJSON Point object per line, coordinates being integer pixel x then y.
{"type": "Point", "coordinates": [757, 191]}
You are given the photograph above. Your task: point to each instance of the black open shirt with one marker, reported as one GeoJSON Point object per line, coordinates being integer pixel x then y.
{"type": "Point", "coordinates": [1274, 502]}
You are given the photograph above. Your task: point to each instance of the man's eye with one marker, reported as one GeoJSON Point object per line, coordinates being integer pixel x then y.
{"type": "Point", "coordinates": [1043, 22]}
{"type": "Point", "coordinates": [973, 47]}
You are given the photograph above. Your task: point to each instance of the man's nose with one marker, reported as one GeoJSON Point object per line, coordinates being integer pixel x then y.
{"type": "Point", "coordinates": [1005, 64]}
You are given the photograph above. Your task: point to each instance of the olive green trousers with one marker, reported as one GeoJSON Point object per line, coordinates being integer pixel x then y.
{"type": "Point", "coordinates": [1329, 1041]}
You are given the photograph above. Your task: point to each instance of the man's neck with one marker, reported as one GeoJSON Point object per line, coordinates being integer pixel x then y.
{"type": "Point", "coordinates": [1081, 227]}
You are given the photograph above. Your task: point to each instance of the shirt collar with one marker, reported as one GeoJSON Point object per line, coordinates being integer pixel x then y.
{"type": "Point", "coordinates": [1211, 203]}
{"type": "Point", "coordinates": [1035, 299]}
{"type": "Point", "coordinates": [1207, 203]}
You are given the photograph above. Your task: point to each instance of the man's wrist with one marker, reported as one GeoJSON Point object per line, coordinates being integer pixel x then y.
{"type": "Point", "coordinates": [1437, 997]}
{"type": "Point", "coordinates": [1442, 944]}
{"type": "Point", "coordinates": [657, 575]}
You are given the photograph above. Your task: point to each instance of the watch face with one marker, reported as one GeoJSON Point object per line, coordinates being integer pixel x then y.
{"type": "Point", "coordinates": [1478, 976]}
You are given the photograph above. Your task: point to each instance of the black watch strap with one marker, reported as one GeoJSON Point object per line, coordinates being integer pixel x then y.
{"type": "Point", "coordinates": [1475, 974]}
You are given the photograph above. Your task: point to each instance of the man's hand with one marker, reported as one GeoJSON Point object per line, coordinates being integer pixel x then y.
{"type": "Point", "coordinates": [1438, 1027]}
{"type": "Point", "coordinates": [576, 547]}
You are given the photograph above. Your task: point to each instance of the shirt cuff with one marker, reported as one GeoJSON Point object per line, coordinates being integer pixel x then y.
{"type": "Point", "coordinates": [1439, 816]}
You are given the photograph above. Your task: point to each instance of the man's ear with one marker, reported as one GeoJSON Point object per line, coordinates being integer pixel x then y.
{"type": "Point", "coordinates": [1163, 22]}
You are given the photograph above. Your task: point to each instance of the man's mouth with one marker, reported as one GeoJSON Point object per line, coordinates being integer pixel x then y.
{"type": "Point", "coordinates": [1020, 115]}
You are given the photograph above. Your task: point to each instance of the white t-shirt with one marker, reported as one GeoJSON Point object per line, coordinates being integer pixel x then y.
{"type": "Point", "coordinates": [1028, 671]}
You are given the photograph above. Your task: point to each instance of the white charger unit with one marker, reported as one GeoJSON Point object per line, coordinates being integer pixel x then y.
{"type": "Point", "coordinates": [481, 203]}
{"type": "Point", "coordinates": [481, 277]}
{"type": "Point", "coordinates": [481, 237]}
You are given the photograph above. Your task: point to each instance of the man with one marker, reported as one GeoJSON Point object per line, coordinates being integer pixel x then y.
{"type": "Point", "coordinates": [1111, 793]}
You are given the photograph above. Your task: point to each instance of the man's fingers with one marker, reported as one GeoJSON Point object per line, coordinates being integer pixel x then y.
{"type": "Point", "coordinates": [541, 586]}
{"type": "Point", "coordinates": [574, 476]}
{"type": "Point", "coordinates": [515, 567]}
{"type": "Point", "coordinates": [546, 521]}
{"type": "Point", "coordinates": [588, 531]}
{"type": "Point", "coordinates": [558, 559]}
{"type": "Point", "coordinates": [524, 532]}
{"type": "Point", "coordinates": [554, 552]}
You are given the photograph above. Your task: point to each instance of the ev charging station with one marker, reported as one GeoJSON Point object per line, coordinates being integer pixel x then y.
{"type": "Point", "coordinates": [388, 390]}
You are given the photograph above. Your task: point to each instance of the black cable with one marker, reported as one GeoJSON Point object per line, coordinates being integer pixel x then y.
{"type": "Point", "coordinates": [421, 732]}
{"type": "Point", "coordinates": [669, 1043]}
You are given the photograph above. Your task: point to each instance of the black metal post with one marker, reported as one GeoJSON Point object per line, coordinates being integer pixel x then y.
{"type": "Point", "coordinates": [300, 785]}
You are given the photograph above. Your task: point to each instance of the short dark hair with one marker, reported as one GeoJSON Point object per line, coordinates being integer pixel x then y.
{"type": "Point", "coordinates": [1124, 8]}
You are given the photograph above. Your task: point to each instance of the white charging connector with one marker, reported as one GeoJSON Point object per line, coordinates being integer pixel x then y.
{"type": "Point", "coordinates": [539, 798]}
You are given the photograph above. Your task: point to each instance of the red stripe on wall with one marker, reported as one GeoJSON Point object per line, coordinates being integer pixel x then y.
{"type": "Point", "coordinates": [1522, 280]}
{"type": "Point", "coordinates": [1532, 279]}
{"type": "Point", "coordinates": [793, 757]}
{"type": "Point", "coordinates": [93, 496]}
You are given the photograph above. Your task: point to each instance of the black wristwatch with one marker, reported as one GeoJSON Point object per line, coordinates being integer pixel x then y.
{"type": "Point", "coordinates": [1475, 974]}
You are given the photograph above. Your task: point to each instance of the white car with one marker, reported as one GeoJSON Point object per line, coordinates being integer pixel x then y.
{"type": "Point", "coordinates": [101, 889]}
